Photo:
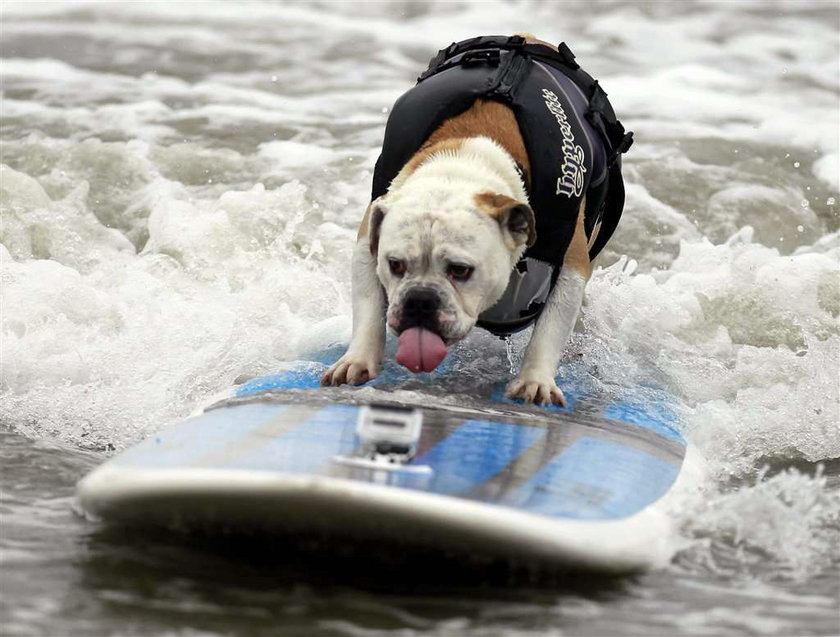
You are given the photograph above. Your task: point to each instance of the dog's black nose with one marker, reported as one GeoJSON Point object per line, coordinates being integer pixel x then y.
{"type": "Point", "coordinates": [420, 309]}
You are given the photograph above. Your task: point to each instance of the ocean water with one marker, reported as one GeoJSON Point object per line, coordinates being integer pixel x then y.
{"type": "Point", "coordinates": [180, 188]}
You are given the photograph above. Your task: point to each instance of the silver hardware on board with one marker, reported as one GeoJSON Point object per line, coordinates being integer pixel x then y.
{"type": "Point", "coordinates": [388, 436]}
{"type": "Point", "coordinates": [389, 430]}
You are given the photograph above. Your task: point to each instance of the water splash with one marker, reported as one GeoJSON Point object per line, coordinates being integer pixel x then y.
{"type": "Point", "coordinates": [511, 353]}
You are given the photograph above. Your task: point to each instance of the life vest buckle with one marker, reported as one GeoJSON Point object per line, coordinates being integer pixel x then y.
{"type": "Point", "coordinates": [488, 56]}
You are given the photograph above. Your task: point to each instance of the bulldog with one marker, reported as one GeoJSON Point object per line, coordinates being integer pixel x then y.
{"type": "Point", "coordinates": [498, 183]}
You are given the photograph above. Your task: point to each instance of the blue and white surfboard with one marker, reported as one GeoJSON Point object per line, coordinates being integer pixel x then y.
{"type": "Point", "coordinates": [578, 487]}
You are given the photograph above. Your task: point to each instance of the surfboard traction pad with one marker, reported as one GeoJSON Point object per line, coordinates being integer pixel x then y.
{"type": "Point", "coordinates": [562, 488]}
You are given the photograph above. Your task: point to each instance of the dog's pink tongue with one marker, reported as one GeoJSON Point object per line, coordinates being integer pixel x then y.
{"type": "Point", "coordinates": [420, 350]}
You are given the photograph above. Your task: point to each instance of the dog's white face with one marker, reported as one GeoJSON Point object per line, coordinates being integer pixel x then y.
{"type": "Point", "coordinates": [444, 256]}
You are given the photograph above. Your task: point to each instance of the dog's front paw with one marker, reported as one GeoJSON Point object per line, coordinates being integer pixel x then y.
{"type": "Point", "coordinates": [351, 369]}
{"type": "Point", "coordinates": [540, 390]}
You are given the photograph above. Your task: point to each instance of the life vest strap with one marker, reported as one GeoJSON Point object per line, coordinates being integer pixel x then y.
{"type": "Point", "coordinates": [482, 42]}
{"type": "Point", "coordinates": [603, 119]}
{"type": "Point", "coordinates": [486, 49]}
{"type": "Point", "coordinates": [510, 74]}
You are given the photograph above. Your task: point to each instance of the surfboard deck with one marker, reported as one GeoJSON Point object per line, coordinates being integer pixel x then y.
{"type": "Point", "coordinates": [563, 488]}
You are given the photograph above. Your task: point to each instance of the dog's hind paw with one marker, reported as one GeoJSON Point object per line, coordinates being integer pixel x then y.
{"type": "Point", "coordinates": [538, 391]}
{"type": "Point", "coordinates": [352, 370]}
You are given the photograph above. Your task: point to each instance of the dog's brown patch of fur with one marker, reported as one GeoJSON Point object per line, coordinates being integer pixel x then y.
{"type": "Point", "coordinates": [493, 203]}
{"type": "Point", "coordinates": [577, 255]}
{"type": "Point", "coordinates": [530, 38]}
{"type": "Point", "coordinates": [496, 205]}
{"type": "Point", "coordinates": [489, 119]}
{"type": "Point", "coordinates": [363, 228]}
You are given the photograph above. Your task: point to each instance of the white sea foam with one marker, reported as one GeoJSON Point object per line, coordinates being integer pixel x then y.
{"type": "Point", "coordinates": [167, 231]}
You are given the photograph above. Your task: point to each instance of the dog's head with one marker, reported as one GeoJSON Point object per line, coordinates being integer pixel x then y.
{"type": "Point", "coordinates": [445, 256]}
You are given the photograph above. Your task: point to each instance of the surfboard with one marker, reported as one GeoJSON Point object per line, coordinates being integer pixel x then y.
{"type": "Point", "coordinates": [577, 488]}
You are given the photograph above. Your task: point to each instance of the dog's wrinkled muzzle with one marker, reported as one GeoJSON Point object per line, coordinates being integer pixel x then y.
{"type": "Point", "coordinates": [421, 347]}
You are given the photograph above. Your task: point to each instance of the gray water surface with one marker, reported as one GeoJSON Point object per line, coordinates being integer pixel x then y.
{"type": "Point", "coordinates": [180, 191]}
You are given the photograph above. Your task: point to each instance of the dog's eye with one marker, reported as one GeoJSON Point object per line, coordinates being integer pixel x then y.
{"type": "Point", "coordinates": [459, 271]}
{"type": "Point", "coordinates": [397, 267]}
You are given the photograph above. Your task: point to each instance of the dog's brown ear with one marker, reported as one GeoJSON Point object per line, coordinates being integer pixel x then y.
{"type": "Point", "coordinates": [521, 223]}
{"type": "Point", "coordinates": [516, 217]}
{"type": "Point", "coordinates": [375, 215]}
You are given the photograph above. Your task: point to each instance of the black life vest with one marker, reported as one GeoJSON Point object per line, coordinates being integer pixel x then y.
{"type": "Point", "coordinates": [573, 139]}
